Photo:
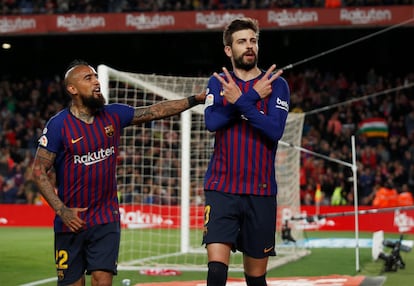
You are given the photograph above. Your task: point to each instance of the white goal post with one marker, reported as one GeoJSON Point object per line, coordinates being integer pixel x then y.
{"type": "Point", "coordinates": [160, 176]}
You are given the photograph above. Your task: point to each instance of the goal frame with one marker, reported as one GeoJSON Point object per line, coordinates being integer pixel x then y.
{"type": "Point", "coordinates": [105, 73]}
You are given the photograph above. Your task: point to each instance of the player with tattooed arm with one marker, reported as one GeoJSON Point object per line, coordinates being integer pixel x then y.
{"type": "Point", "coordinates": [80, 143]}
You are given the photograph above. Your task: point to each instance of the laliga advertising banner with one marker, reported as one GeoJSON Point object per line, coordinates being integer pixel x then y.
{"type": "Point", "coordinates": [159, 216]}
{"type": "Point", "coordinates": [190, 21]}
{"type": "Point", "coordinates": [399, 220]}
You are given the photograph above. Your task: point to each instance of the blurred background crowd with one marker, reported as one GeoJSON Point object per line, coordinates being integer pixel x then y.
{"type": "Point", "coordinates": [385, 162]}
{"type": "Point", "coordinates": [116, 6]}
{"type": "Point", "coordinates": [384, 159]}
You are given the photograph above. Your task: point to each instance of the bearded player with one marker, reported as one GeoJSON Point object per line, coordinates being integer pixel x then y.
{"type": "Point", "coordinates": [81, 144]}
{"type": "Point", "coordinates": [247, 109]}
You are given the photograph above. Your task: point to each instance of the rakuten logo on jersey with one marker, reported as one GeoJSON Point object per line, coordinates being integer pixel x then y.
{"type": "Point", "coordinates": [94, 157]}
{"type": "Point", "coordinates": [282, 104]}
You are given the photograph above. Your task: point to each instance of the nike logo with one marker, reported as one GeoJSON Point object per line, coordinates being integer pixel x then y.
{"type": "Point", "coordinates": [266, 250]}
{"type": "Point", "coordinates": [77, 140]}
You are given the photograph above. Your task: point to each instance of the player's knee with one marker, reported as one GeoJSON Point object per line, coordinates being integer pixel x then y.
{"type": "Point", "coordinates": [255, 281]}
{"type": "Point", "coordinates": [217, 273]}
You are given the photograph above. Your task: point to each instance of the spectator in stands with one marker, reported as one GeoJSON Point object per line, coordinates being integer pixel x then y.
{"type": "Point", "coordinates": [169, 195]}
{"type": "Point", "coordinates": [328, 181]}
{"type": "Point", "coordinates": [11, 193]}
{"type": "Point", "coordinates": [366, 184]}
{"type": "Point", "coordinates": [30, 189]}
{"type": "Point", "coordinates": [307, 195]}
{"type": "Point", "coordinates": [151, 193]}
{"type": "Point", "coordinates": [383, 153]}
{"type": "Point", "coordinates": [334, 127]}
{"type": "Point", "coordinates": [386, 196]}
{"type": "Point", "coordinates": [339, 195]}
{"type": "Point", "coordinates": [369, 157]}
{"type": "Point", "coordinates": [197, 194]}
{"type": "Point", "coordinates": [125, 192]}
{"type": "Point", "coordinates": [26, 7]}
{"type": "Point", "coordinates": [405, 197]}
{"type": "Point", "coordinates": [115, 6]}
{"type": "Point", "coordinates": [81, 144]}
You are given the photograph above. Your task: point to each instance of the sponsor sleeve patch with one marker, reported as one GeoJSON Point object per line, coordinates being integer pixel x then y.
{"type": "Point", "coordinates": [43, 141]}
{"type": "Point", "coordinates": [209, 100]}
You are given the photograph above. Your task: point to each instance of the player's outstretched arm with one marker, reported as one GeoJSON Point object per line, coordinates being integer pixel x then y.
{"type": "Point", "coordinates": [166, 108]}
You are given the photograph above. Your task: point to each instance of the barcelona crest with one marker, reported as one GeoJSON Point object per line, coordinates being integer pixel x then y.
{"type": "Point", "coordinates": [109, 130]}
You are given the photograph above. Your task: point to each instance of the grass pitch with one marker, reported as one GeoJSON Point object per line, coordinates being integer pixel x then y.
{"type": "Point", "coordinates": [27, 257]}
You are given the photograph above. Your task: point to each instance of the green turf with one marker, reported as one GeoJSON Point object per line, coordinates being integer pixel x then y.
{"type": "Point", "coordinates": [26, 255]}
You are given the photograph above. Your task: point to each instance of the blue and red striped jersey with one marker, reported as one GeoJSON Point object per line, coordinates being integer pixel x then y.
{"type": "Point", "coordinates": [85, 162]}
{"type": "Point", "coordinates": [246, 137]}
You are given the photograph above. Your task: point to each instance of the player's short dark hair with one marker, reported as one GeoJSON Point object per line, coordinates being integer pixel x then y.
{"type": "Point", "coordinates": [239, 24]}
{"type": "Point", "coordinates": [77, 62]}
{"type": "Point", "coordinates": [72, 64]}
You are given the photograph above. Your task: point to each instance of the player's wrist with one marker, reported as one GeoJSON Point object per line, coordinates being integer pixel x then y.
{"type": "Point", "coordinates": [192, 101]}
{"type": "Point", "coordinates": [59, 211]}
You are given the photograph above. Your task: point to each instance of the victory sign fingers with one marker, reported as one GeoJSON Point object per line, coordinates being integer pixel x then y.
{"type": "Point", "coordinates": [264, 86]}
{"type": "Point", "coordinates": [230, 89]}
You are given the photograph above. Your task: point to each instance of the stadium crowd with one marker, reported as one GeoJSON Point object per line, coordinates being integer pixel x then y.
{"type": "Point", "coordinates": [385, 161]}
{"type": "Point", "coordinates": [13, 7]}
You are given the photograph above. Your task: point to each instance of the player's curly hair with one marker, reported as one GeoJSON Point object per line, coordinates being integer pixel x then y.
{"type": "Point", "coordinates": [239, 24]}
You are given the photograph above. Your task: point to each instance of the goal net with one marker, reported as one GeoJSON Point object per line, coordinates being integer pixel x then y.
{"type": "Point", "coordinates": [160, 176]}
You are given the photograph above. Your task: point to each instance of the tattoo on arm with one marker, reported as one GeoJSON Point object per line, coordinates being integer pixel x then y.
{"type": "Point", "coordinates": [143, 114]}
{"type": "Point", "coordinates": [160, 110]}
{"type": "Point", "coordinates": [42, 165]}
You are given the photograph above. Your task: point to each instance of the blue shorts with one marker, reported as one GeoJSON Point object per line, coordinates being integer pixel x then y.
{"type": "Point", "coordinates": [96, 248]}
{"type": "Point", "coordinates": [246, 222]}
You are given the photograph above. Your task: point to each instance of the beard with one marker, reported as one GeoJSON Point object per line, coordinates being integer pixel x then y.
{"type": "Point", "coordinates": [239, 63]}
{"type": "Point", "coordinates": [93, 103]}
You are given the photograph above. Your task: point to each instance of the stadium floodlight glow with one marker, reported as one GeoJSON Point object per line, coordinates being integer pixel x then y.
{"type": "Point", "coordinates": [6, 46]}
{"type": "Point", "coordinates": [393, 260]}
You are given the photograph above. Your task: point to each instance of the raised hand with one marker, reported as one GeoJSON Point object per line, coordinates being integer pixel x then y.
{"type": "Point", "coordinates": [230, 89]}
{"type": "Point", "coordinates": [264, 86]}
